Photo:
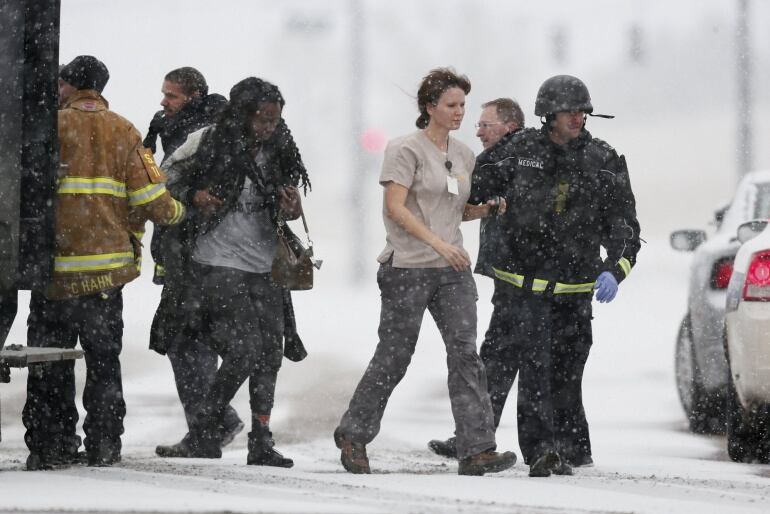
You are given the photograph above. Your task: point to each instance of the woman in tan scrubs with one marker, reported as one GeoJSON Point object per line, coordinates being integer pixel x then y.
{"type": "Point", "coordinates": [426, 177]}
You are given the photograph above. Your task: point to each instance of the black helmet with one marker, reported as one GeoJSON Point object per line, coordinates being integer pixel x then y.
{"type": "Point", "coordinates": [563, 93]}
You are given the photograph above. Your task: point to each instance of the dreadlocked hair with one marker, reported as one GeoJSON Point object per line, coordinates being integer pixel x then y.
{"type": "Point", "coordinates": [232, 131]}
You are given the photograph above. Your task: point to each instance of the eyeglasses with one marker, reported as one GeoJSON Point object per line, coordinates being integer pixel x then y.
{"type": "Point", "coordinates": [487, 124]}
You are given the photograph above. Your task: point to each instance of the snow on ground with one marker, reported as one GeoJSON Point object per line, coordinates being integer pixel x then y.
{"type": "Point", "coordinates": [646, 460]}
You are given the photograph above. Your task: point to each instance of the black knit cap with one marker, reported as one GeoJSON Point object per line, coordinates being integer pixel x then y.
{"type": "Point", "coordinates": [85, 72]}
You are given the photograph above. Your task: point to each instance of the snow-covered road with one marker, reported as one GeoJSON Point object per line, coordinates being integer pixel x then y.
{"type": "Point", "coordinates": [646, 460]}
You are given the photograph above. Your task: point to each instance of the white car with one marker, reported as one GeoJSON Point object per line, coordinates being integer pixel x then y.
{"type": "Point", "coordinates": [700, 362]}
{"type": "Point", "coordinates": [747, 323]}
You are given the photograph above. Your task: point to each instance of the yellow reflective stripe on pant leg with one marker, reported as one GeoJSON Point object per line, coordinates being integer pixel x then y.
{"type": "Point", "coordinates": [560, 288]}
{"type": "Point", "coordinates": [539, 285]}
{"type": "Point", "coordinates": [91, 186]}
{"type": "Point", "coordinates": [511, 278]}
{"type": "Point", "coordinates": [102, 262]}
{"type": "Point", "coordinates": [625, 265]}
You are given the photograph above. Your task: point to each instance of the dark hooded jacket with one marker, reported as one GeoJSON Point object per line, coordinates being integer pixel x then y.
{"type": "Point", "coordinates": [199, 112]}
{"type": "Point", "coordinates": [221, 165]}
{"type": "Point", "coordinates": [565, 202]}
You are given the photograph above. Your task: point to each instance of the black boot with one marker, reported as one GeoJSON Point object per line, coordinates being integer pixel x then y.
{"type": "Point", "coordinates": [70, 453]}
{"type": "Point", "coordinates": [54, 454]}
{"type": "Point", "coordinates": [104, 453]}
{"type": "Point", "coordinates": [181, 449]}
{"type": "Point", "coordinates": [261, 451]}
{"type": "Point", "coordinates": [231, 427]}
{"type": "Point", "coordinates": [447, 448]}
{"type": "Point", "coordinates": [203, 441]}
{"type": "Point", "coordinates": [547, 463]}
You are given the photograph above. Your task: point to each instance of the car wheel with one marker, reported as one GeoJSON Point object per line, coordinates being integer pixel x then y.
{"type": "Point", "coordinates": [704, 412]}
{"type": "Point", "coordinates": [742, 437]}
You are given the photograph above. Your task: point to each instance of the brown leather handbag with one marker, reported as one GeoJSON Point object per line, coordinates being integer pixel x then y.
{"type": "Point", "coordinates": [293, 262]}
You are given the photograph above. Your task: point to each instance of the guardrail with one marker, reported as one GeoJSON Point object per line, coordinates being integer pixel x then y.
{"type": "Point", "coordinates": [19, 356]}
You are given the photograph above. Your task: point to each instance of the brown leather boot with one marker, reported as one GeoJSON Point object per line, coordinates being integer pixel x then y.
{"type": "Point", "coordinates": [486, 462]}
{"type": "Point", "coordinates": [353, 455]}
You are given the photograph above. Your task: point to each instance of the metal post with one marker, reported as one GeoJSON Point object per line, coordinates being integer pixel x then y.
{"type": "Point", "coordinates": [743, 45]}
{"type": "Point", "coordinates": [358, 159]}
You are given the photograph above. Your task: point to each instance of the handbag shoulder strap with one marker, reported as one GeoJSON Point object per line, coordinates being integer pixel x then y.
{"type": "Point", "coordinates": [280, 222]}
{"type": "Point", "coordinates": [304, 224]}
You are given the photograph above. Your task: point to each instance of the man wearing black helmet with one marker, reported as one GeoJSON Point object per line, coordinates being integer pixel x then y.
{"type": "Point", "coordinates": [568, 195]}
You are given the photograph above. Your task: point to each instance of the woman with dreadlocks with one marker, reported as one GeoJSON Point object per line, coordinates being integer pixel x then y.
{"type": "Point", "coordinates": [241, 175]}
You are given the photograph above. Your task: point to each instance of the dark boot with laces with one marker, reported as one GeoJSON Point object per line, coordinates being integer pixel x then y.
{"type": "Point", "coordinates": [486, 462]}
{"type": "Point", "coordinates": [262, 451]}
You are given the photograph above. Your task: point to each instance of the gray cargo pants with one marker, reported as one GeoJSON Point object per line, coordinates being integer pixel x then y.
{"type": "Point", "coordinates": [450, 297]}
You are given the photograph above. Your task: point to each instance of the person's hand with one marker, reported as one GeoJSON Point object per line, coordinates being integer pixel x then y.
{"type": "Point", "coordinates": [496, 206]}
{"type": "Point", "coordinates": [290, 202]}
{"type": "Point", "coordinates": [606, 287]}
{"type": "Point", "coordinates": [456, 257]}
{"type": "Point", "coordinates": [206, 202]}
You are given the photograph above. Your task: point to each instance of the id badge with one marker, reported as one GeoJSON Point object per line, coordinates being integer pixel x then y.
{"type": "Point", "coordinates": [452, 185]}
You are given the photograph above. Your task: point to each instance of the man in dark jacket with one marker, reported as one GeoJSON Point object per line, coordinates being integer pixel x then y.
{"type": "Point", "coordinates": [568, 195]}
{"type": "Point", "coordinates": [187, 107]}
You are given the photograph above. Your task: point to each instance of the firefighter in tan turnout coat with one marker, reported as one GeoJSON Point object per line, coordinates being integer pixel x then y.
{"type": "Point", "coordinates": [108, 187]}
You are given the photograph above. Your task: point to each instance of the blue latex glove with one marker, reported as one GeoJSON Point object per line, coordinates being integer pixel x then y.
{"type": "Point", "coordinates": [606, 287]}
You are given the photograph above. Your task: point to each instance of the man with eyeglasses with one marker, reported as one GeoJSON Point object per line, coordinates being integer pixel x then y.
{"type": "Point", "coordinates": [500, 119]}
{"type": "Point", "coordinates": [568, 196]}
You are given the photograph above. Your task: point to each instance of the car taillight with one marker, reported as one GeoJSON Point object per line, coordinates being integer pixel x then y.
{"type": "Point", "coordinates": [721, 273]}
{"type": "Point", "coordinates": [757, 286]}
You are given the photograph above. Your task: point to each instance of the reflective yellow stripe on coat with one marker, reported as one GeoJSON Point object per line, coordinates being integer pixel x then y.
{"type": "Point", "coordinates": [625, 265]}
{"type": "Point", "coordinates": [146, 194]}
{"type": "Point", "coordinates": [91, 186]}
{"type": "Point", "coordinates": [539, 285]}
{"type": "Point", "coordinates": [179, 212]}
{"type": "Point", "coordinates": [100, 262]}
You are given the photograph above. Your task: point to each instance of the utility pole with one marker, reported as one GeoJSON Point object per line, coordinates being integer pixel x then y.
{"type": "Point", "coordinates": [358, 159]}
{"type": "Point", "coordinates": [743, 47]}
